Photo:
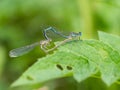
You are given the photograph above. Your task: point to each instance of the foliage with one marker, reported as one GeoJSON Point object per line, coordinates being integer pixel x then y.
{"type": "Point", "coordinates": [22, 22]}
{"type": "Point", "coordinates": [84, 58]}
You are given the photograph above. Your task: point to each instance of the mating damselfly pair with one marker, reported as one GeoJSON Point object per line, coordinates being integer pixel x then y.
{"type": "Point", "coordinates": [44, 43]}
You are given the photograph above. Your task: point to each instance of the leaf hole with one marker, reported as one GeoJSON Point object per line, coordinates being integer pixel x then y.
{"type": "Point", "coordinates": [69, 67]}
{"type": "Point", "coordinates": [59, 66]}
{"type": "Point", "coordinates": [29, 78]}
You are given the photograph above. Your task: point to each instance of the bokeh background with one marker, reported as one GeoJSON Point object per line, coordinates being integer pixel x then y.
{"type": "Point", "coordinates": [22, 22]}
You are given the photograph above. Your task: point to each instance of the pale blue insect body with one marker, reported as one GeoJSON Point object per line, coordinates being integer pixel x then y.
{"type": "Point", "coordinates": [43, 43]}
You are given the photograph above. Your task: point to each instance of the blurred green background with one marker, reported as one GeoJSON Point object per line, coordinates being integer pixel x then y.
{"type": "Point", "coordinates": [22, 22]}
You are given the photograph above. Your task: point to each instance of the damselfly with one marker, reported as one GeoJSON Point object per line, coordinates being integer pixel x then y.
{"type": "Point", "coordinates": [43, 43]}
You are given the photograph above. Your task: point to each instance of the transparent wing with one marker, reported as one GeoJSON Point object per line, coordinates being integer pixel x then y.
{"type": "Point", "coordinates": [22, 50]}
{"type": "Point", "coordinates": [54, 34]}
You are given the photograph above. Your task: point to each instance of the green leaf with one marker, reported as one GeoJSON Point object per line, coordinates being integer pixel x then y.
{"type": "Point", "coordinates": [78, 58]}
{"type": "Point", "coordinates": [46, 68]}
{"type": "Point", "coordinates": [112, 40]}
{"type": "Point", "coordinates": [110, 62]}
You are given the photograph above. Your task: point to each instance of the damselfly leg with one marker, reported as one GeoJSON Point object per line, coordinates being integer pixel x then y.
{"type": "Point", "coordinates": [71, 37]}
{"type": "Point", "coordinates": [44, 43]}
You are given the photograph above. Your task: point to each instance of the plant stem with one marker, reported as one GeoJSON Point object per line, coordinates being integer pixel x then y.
{"type": "Point", "coordinates": [87, 19]}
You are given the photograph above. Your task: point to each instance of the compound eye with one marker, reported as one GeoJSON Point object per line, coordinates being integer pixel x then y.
{"type": "Point", "coordinates": [80, 33]}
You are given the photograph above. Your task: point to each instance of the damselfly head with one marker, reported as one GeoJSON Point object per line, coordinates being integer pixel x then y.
{"type": "Point", "coordinates": [73, 34]}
